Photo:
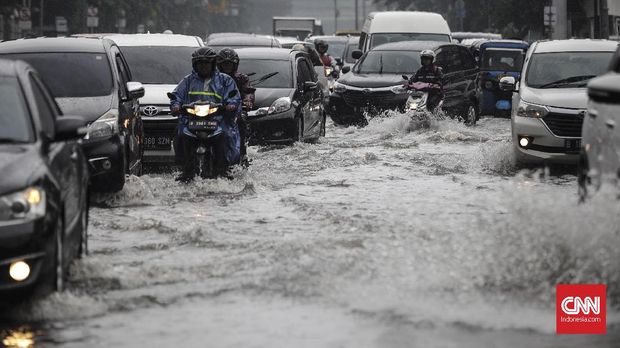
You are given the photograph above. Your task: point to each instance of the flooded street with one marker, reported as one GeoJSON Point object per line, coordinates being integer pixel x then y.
{"type": "Point", "coordinates": [384, 236]}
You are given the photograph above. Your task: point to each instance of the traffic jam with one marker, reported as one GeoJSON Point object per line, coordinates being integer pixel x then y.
{"type": "Point", "coordinates": [405, 184]}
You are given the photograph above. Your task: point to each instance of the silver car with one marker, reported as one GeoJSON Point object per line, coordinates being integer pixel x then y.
{"type": "Point", "coordinates": [550, 101]}
{"type": "Point", "coordinates": [600, 153]}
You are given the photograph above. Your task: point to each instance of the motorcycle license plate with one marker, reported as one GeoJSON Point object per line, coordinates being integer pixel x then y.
{"type": "Point", "coordinates": [202, 125]}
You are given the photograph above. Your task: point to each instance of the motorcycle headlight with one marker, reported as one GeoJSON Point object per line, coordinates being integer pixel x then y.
{"type": "Point", "coordinates": [399, 89]}
{"type": "Point", "coordinates": [525, 109]}
{"type": "Point", "coordinates": [104, 126]}
{"type": "Point", "coordinates": [328, 71]}
{"type": "Point", "coordinates": [202, 110]}
{"type": "Point", "coordinates": [26, 204]}
{"type": "Point", "coordinates": [339, 87]}
{"type": "Point", "coordinates": [280, 105]}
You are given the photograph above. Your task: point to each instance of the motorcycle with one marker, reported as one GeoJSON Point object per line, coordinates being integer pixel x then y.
{"type": "Point", "coordinates": [204, 123]}
{"type": "Point", "coordinates": [422, 113]}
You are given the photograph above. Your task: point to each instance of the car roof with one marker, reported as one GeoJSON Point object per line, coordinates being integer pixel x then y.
{"type": "Point", "coordinates": [8, 67]}
{"type": "Point", "coordinates": [406, 22]}
{"type": "Point", "coordinates": [475, 35]}
{"type": "Point", "coordinates": [575, 45]}
{"type": "Point", "coordinates": [328, 38]}
{"type": "Point", "coordinates": [411, 45]}
{"type": "Point", "coordinates": [155, 40]}
{"type": "Point", "coordinates": [502, 44]}
{"type": "Point", "coordinates": [60, 44]}
{"type": "Point", "coordinates": [252, 40]}
{"type": "Point", "coordinates": [264, 53]}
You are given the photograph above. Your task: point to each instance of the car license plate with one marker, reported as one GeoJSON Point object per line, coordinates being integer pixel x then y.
{"type": "Point", "coordinates": [157, 142]}
{"type": "Point", "coordinates": [572, 144]}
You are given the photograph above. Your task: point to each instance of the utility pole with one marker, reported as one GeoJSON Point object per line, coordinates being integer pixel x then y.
{"type": "Point", "coordinates": [364, 10]}
{"type": "Point", "coordinates": [41, 17]}
{"type": "Point", "coordinates": [335, 16]}
{"type": "Point", "coordinates": [357, 20]}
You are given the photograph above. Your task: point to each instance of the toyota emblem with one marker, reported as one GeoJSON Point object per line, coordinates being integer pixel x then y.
{"type": "Point", "coordinates": [150, 110]}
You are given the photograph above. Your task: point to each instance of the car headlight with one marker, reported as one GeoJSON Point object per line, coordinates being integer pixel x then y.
{"type": "Point", "coordinates": [525, 109]}
{"type": "Point", "coordinates": [280, 105]}
{"type": "Point", "coordinates": [399, 89]}
{"type": "Point", "coordinates": [104, 126]}
{"type": "Point", "coordinates": [339, 87]}
{"type": "Point", "coordinates": [26, 204]}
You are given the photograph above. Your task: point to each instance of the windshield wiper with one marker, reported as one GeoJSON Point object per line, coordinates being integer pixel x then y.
{"type": "Point", "coordinates": [567, 81]}
{"type": "Point", "coordinates": [264, 78]}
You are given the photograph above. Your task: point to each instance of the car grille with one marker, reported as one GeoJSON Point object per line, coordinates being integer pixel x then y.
{"type": "Point", "coordinates": [564, 125]}
{"type": "Point", "coordinates": [380, 99]}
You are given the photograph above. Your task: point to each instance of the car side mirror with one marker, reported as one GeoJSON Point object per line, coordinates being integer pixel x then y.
{"type": "Point", "coordinates": [346, 69]}
{"type": "Point", "coordinates": [310, 86]}
{"type": "Point", "coordinates": [508, 84]}
{"type": "Point", "coordinates": [357, 54]}
{"type": "Point", "coordinates": [405, 77]}
{"type": "Point", "coordinates": [135, 89]}
{"type": "Point", "coordinates": [339, 62]}
{"type": "Point", "coordinates": [70, 128]}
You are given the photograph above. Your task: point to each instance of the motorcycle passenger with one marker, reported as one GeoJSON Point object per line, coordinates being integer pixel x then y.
{"type": "Point", "coordinates": [328, 61]}
{"type": "Point", "coordinates": [228, 63]}
{"type": "Point", "coordinates": [206, 83]}
{"type": "Point", "coordinates": [430, 72]}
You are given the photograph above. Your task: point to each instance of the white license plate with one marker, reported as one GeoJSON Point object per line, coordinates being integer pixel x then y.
{"type": "Point", "coordinates": [157, 142]}
{"type": "Point", "coordinates": [572, 144]}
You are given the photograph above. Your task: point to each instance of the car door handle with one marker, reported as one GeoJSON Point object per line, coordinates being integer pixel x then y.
{"type": "Point", "coordinates": [611, 124]}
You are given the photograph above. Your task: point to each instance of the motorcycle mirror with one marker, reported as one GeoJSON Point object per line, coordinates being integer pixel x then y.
{"type": "Point", "coordinates": [405, 77]}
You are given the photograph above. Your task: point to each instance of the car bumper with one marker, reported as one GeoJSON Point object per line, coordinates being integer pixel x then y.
{"type": "Point", "coordinates": [275, 128]}
{"type": "Point", "coordinates": [106, 160]}
{"type": "Point", "coordinates": [544, 146]}
{"type": "Point", "coordinates": [350, 109]}
{"type": "Point", "coordinates": [23, 241]}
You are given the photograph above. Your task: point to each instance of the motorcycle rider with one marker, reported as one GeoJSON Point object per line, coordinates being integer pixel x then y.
{"type": "Point", "coordinates": [328, 61]}
{"type": "Point", "coordinates": [206, 83]}
{"type": "Point", "coordinates": [430, 72]}
{"type": "Point", "coordinates": [228, 63]}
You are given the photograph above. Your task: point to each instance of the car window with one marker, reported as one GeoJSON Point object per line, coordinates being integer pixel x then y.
{"type": "Point", "coordinates": [46, 115]}
{"type": "Point", "coordinates": [158, 64]}
{"type": "Point", "coordinates": [467, 59]}
{"type": "Point", "coordinates": [123, 76]}
{"type": "Point", "coordinates": [73, 74]}
{"type": "Point", "coordinates": [349, 55]}
{"type": "Point", "coordinates": [502, 59]}
{"type": "Point", "coordinates": [261, 68]}
{"type": "Point", "coordinates": [383, 38]}
{"type": "Point", "coordinates": [450, 60]}
{"type": "Point", "coordinates": [15, 121]}
{"type": "Point", "coordinates": [389, 62]}
{"type": "Point", "coordinates": [565, 69]}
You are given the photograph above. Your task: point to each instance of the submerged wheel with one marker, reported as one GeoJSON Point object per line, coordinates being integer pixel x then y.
{"type": "Point", "coordinates": [582, 176]}
{"type": "Point", "coordinates": [299, 130]}
{"type": "Point", "coordinates": [471, 116]}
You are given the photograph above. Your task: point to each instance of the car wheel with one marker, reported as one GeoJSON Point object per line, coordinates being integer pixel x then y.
{"type": "Point", "coordinates": [471, 116]}
{"type": "Point", "coordinates": [582, 176]}
{"type": "Point", "coordinates": [52, 278]}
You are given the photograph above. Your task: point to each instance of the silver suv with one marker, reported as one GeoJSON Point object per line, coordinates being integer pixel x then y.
{"type": "Point", "coordinates": [549, 103]}
{"type": "Point", "coordinates": [600, 153]}
{"type": "Point", "coordinates": [160, 61]}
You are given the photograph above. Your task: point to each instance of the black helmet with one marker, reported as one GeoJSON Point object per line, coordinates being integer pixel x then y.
{"type": "Point", "coordinates": [204, 54]}
{"type": "Point", "coordinates": [321, 46]}
{"type": "Point", "coordinates": [228, 55]}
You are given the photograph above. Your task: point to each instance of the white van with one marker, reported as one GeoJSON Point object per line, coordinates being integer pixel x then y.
{"type": "Point", "coordinates": [393, 26]}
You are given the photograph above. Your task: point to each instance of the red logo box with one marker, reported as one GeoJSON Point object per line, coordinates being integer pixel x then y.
{"type": "Point", "coordinates": [581, 309]}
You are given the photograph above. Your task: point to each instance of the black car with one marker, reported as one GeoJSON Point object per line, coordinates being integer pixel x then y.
{"type": "Point", "coordinates": [288, 104]}
{"type": "Point", "coordinates": [375, 81]}
{"type": "Point", "coordinates": [43, 191]}
{"type": "Point", "coordinates": [89, 77]}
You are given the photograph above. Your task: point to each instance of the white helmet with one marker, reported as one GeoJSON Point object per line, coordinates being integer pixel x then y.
{"type": "Point", "coordinates": [428, 54]}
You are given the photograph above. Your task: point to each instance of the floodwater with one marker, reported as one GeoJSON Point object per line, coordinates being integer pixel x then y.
{"type": "Point", "coordinates": [385, 236]}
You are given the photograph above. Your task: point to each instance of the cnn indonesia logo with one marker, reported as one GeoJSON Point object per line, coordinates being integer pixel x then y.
{"type": "Point", "coordinates": [580, 309]}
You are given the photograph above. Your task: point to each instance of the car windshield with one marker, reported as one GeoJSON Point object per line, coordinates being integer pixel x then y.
{"type": "Point", "coordinates": [351, 47]}
{"type": "Point", "coordinates": [502, 59]}
{"type": "Point", "coordinates": [566, 69]}
{"type": "Point", "coordinates": [15, 124]}
{"type": "Point", "coordinates": [158, 64]}
{"type": "Point", "coordinates": [383, 38]}
{"type": "Point", "coordinates": [389, 62]}
{"type": "Point", "coordinates": [72, 74]}
{"type": "Point", "coordinates": [263, 67]}
{"type": "Point", "coordinates": [336, 48]}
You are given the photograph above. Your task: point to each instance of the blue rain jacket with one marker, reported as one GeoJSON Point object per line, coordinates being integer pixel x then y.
{"type": "Point", "coordinates": [192, 89]}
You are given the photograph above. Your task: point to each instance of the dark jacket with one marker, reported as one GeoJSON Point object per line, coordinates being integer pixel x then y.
{"type": "Point", "coordinates": [430, 74]}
